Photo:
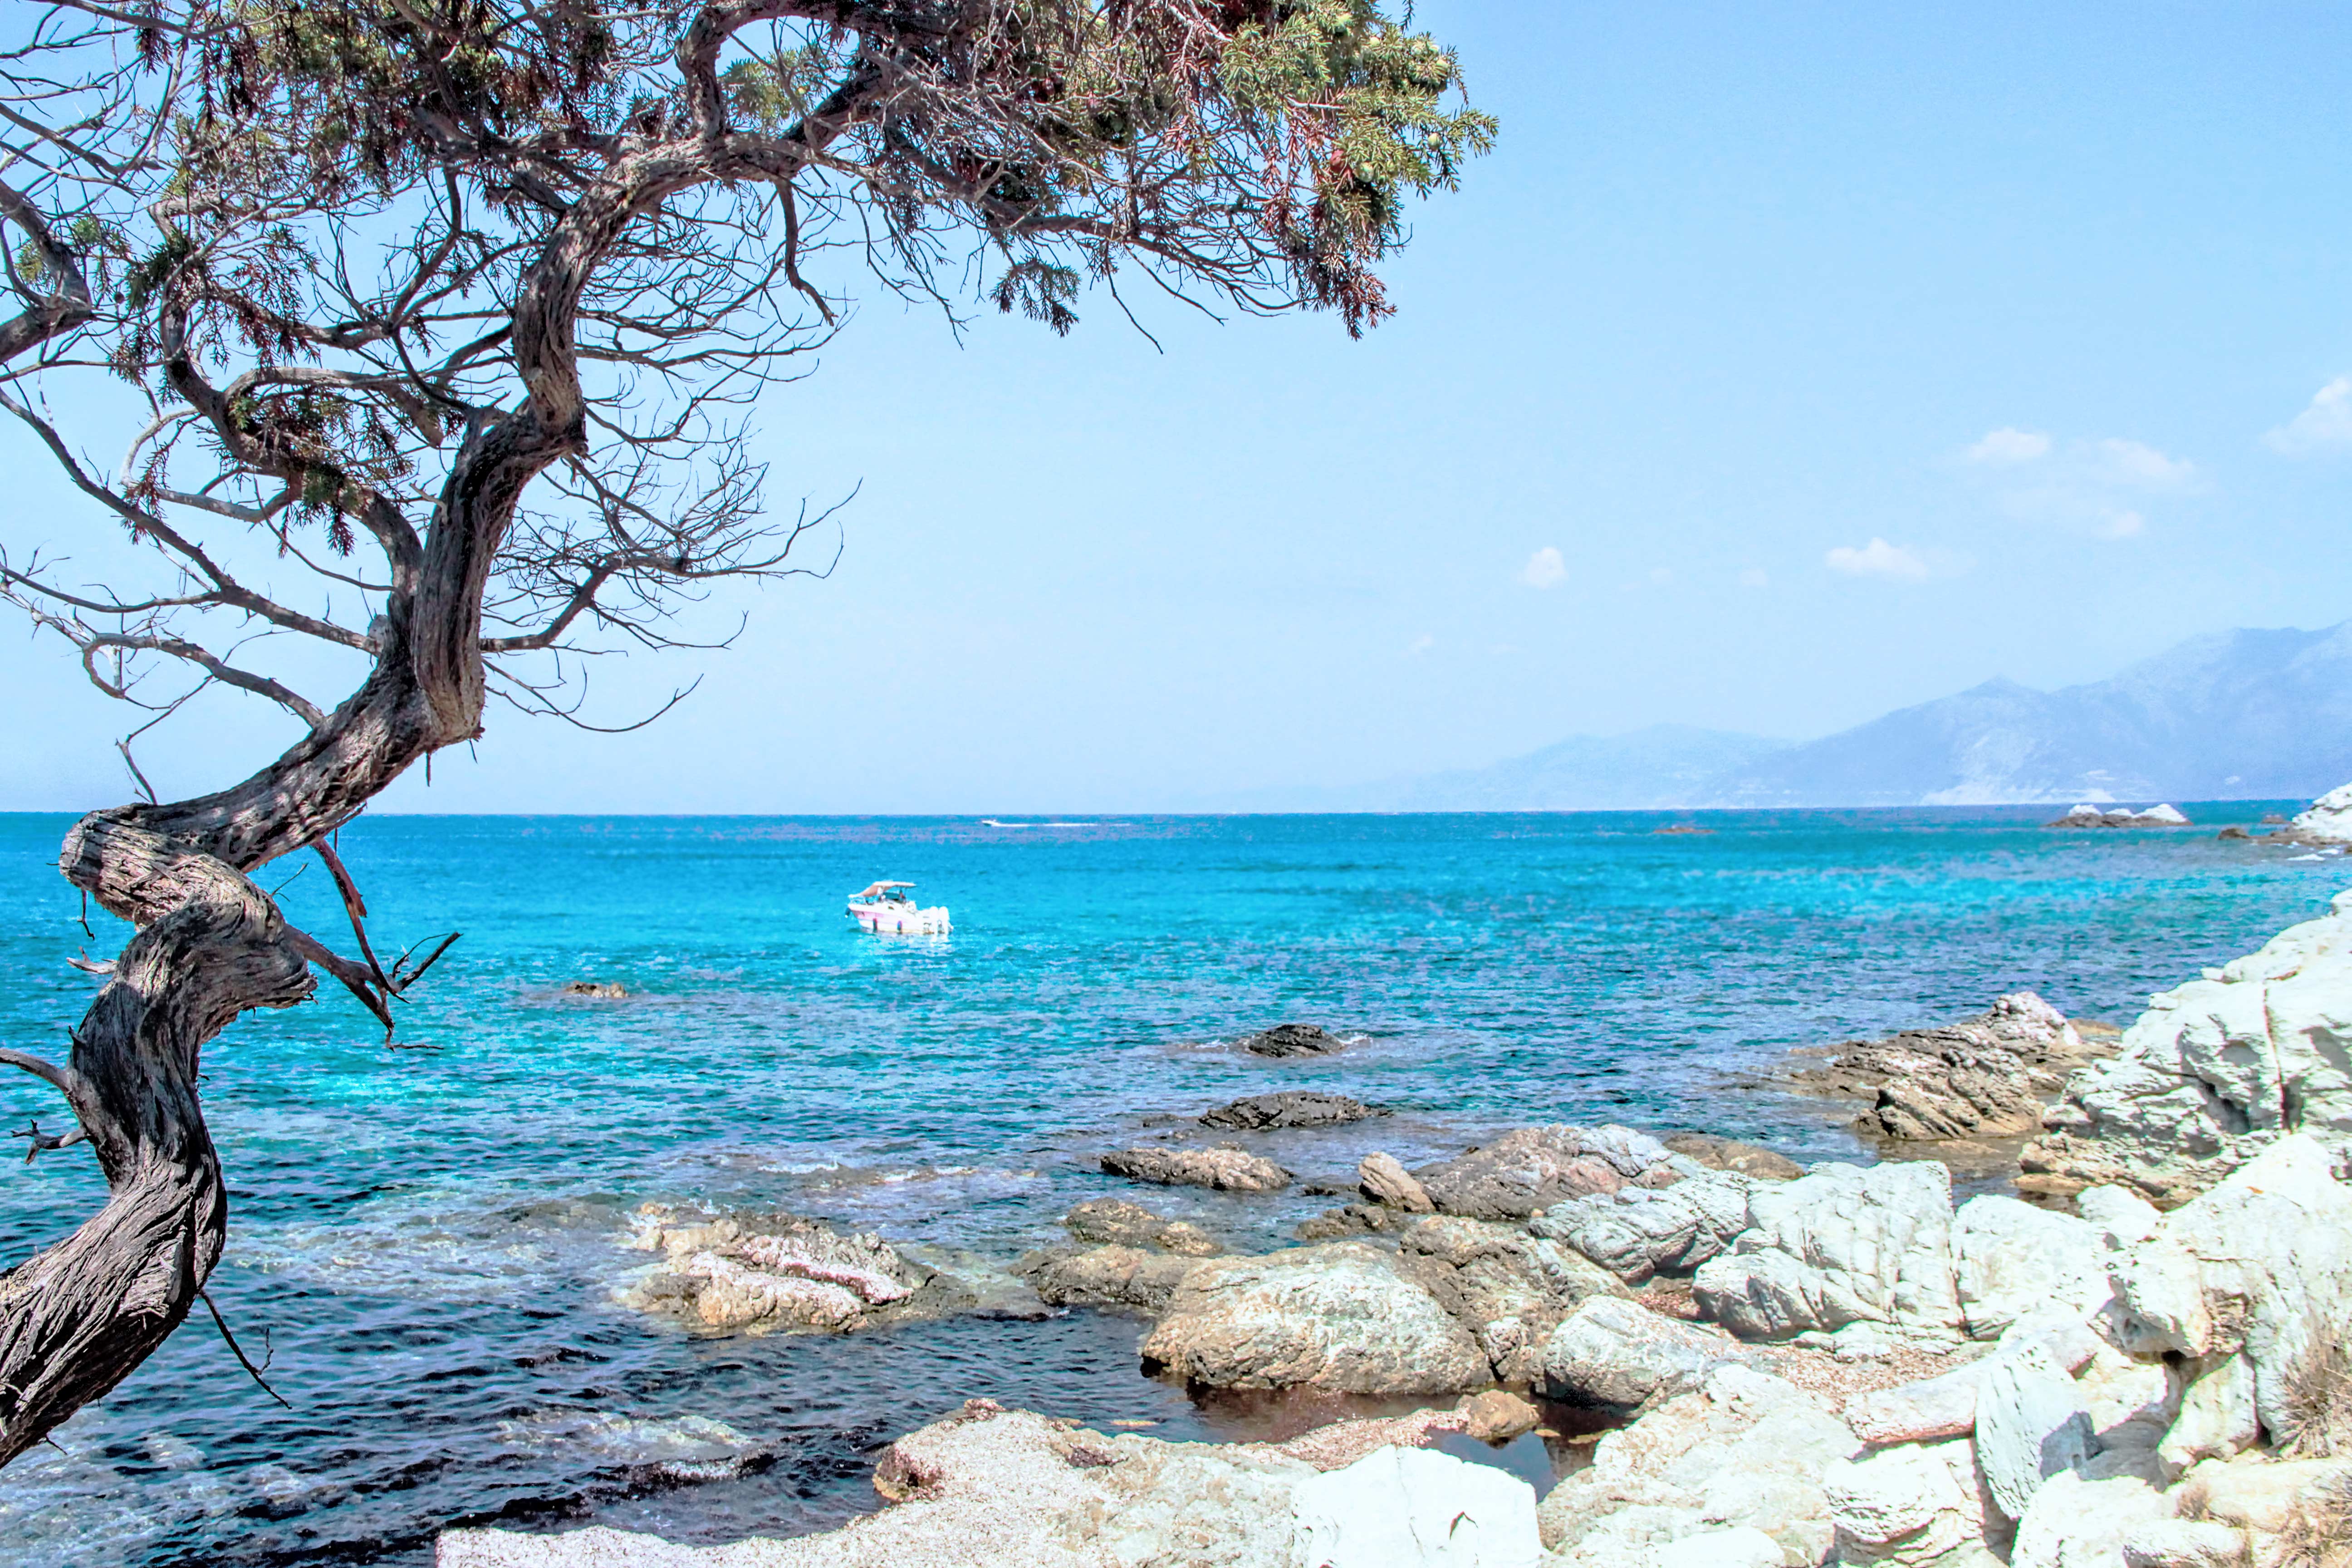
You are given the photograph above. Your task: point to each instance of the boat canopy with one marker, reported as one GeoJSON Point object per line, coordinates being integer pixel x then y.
{"type": "Point", "coordinates": [881, 887]}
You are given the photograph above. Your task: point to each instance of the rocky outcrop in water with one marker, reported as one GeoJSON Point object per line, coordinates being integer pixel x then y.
{"type": "Point", "coordinates": [1509, 1289]}
{"type": "Point", "coordinates": [1982, 1078]}
{"type": "Point", "coordinates": [1292, 1107]}
{"type": "Point", "coordinates": [2087, 815]}
{"type": "Point", "coordinates": [1225, 1168]}
{"type": "Point", "coordinates": [2327, 820]}
{"type": "Point", "coordinates": [2215, 1071]}
{"type": "Point", "coordinates": [1293, 1040]}
{"type": "Point", "coordinates": [1525, 1172]}
{"type": "Point", "coordinates": [774, 1272]}
{"type": "Point", "coordinates": [1114, 1222]}
{"type": "Point", "coordinates": [1133, 1264]}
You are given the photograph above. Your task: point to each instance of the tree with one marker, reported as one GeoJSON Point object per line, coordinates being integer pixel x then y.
{"type": "Point", "coordinates": [458, 310]}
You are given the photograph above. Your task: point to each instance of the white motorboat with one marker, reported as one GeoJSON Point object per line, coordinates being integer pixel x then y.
{"type": "Point", "coordinates": [888, 910]}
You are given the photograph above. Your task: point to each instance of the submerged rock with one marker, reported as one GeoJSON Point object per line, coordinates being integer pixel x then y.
{"type": "Point", "coordinates": [1293, 1040]}
{"type": "Point", "coordinates": [1291, 1108]}
{"type": "Point", "coordinates": [1982, 1078]}
{"type": "Point", "coordinates": [606, 990]}
{"type": "Point", "coordinates": [1114, 1222]}
{"type": "Point", "coordinates": [1225, 1168]}
{"type": "Point", "coordinates": [1339, 1316]}
{"type": "Point", "coordinates": [766, 1272]}
{"type": "Point", "coordinates": [2216, 1070]}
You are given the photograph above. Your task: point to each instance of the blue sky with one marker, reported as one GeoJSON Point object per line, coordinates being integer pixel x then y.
{"type": "Point", "coordinates": [1783, 365]}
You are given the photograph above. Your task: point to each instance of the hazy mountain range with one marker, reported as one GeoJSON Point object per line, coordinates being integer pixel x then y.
{"type": "Point", "coordinates": [2247, 715]}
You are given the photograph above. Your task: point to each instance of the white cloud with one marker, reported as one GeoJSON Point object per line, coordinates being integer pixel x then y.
{"type": "Point", "coordinates": [2008, 445]}
{"type": "Point", "coordinates": [2327, 422]}
{"type": "Point", "coordinates": [1545, 569]}
{"type": "Point", "coordinates": [2121, 525]}
{"type": "Point", "coordinates": [1878, 559]}
{"type": "Point", "coordinates": [1755, 577]}
{"type": "Point", "coordinates": [2136, 464]}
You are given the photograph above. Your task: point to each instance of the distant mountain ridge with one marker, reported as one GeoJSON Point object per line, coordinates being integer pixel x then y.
{"type": "Point", "coordinates": [2244, 715]}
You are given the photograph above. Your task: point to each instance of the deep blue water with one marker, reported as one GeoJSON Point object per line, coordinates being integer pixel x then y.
{"type": "Point", "coordinates": [425, 1240]}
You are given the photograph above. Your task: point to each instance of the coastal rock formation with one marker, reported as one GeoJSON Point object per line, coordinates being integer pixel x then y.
{"type": "Point", "coordinates": [1498, 1415]}
{"type": "Point", "coordinates": [1384, 1180]}
{"type": "Point", "coordinates": [1125, 1278]}
{"type": "Point", "coordinates": [2327, 820]}
{"type": "Point", "coordinates": [1614, 1352]}
{"type": "Point", "coordinates": [1637, 1232]}
{"type": "Point", "coordinates": [1731, 1154]}
{"type": "Point", "coordinates": [1292, 1107]}
{"type": "Point", "coordinates": [1225, 1168]}
{"type": "Point", "coordinates": [991, 1487]}
{"type": "Point", "coordinates": [1525, 1172]}
{"type": "Point", "coordinates": [1293, 1040]}
{"type": "Point", "coordinates": [2088, 815]}
{"type": "Point", "coordinates": [1340, 1317]}
{"type": "Point", "coordinates": [2215, 1071]}
{"type": "Point", "coordinates": [1744, 1452]}
{"type": "Point", "coordinates": [2250, 1285]}
{"type": "Point", "coordinates": [603, 989]}
{"type": "Point", "coordinates": [1510, 1290]}
{"type": "Point", "coordinates": [766, 1272]}
{"type": "Point", "coordinates": [2031, 1423]}
{"type": "Point", "coordinates": [1982, 1078]}
{"type": "Point", "coordinates": [1839, 1246]}
{"type": "Point", "coordinates": [1907, 1506]}
{"type": "Point", "coordinates": [1114, 1222]}
{"type": "Point", "coordinates": [2012, 1260]}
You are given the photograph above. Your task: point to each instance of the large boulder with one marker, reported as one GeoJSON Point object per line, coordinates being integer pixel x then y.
{"type": "Point", "coordinates": [1907, 1505]}
{"type": "Point", "coordinates": [2078, 1520]}
{"type": "Point", "coordinates": [2327, 820]}
{"type": "Point", "coordinates": [1636, 1232]}
{"type": "Point", "coordinates": [1616, 1352]}
{"type": "Point", "coordinates": [2217, 1070]}
{"type": "Point", "coordinates": [1841, 1245]}
{"type": "Point", "coordinates": [1291, 1108]}
{"type": "Point", "coordinates": [2250, 1284]}
{"type": "Point", "coordinates": [2032, 1425]}
{"type": "Point", "coordinates": [1127, 1278]}
{"type": "Point", "coordinates": [1382, 1178]}
{"type": "Point", "coordinates": [764, 1272]}
{"type": "Point", "coordinates": [2012, 1260]}
{"type": "Point", "coordinates": [1982, 1078]}
{"type": "Point", "coordinates": [1293, 1040]}
{"type": "Point", "coordinates": [1746, 1452]}
{"type": "Point", "coordinates": [1509, 1289]}
{"type": "Point", "coordinates": [1225, 1168]}
{"type": "Point", "coordinates": [1412, 1508]}
{"type": "Point", "coordinates": [1525, 1172]}
{"type": "Point", "coordinates": [1339, 1317]}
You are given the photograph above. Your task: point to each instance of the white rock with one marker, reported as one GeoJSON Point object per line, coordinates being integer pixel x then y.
{"type": "Point", "coordinates": [2216, 1070]}
{"type": "Point", "coordinates": [2328, 818]}
{"type": "Point", "coordinates": [2118, 1212]}
{"type": "Point", "coordinates": [1745, 1451]}
{"type": "Point", "coordinates": [2030, 1426]}
{"type": "Point", "coordinates": [2080, 1523]}
{"type": "Point", "coordinates": [2216, 1416]}
{"type": "Point", "coordinates": [1837, 1245]}
{"type": "Point", "coordinates": [1613, 1351]}
{"type": "Point", "coordinates": [2184, 1543]}
{"type": "Point", "coordinates": [2013, 1259]}
{"type": "Point", "coordinates": [1906, 1505]}
{"type": "Point", "coordinates": [1744, 1547]}
{"type": "Point", "coordinates": [1415, 1508]}
{"type": "Point", "coordinates": [2262, 1265]}
{"type": "Point", "coordinates": [1636, 1232]}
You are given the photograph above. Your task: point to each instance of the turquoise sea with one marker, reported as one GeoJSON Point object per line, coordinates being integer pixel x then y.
{"type": "Point", "coordinates": [424, 1242]}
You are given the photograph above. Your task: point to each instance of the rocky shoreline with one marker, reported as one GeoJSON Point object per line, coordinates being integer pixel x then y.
{"type": "Point", "coordinates": [2139, 1368]}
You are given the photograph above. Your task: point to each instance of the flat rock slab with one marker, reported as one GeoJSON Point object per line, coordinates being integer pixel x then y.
{"type": "Point", "coordinates": [1291, 1108]}
{"type": "Point", "coordinates": [1226, 1170]}
{"type": "Point", "coordinates": [2030, 1426]}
